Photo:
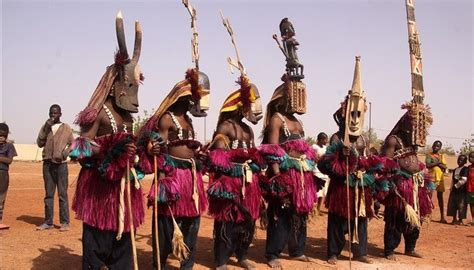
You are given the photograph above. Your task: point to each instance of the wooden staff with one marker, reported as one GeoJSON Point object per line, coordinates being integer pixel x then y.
{"type": "Point", "coordinates": [130, 215]}
{"type": "Point", "coordinates": [347, 143]}
{"type": "Point", "coordinates": [275, 37]}
{"type": "Point", "coordinates": [194, 40]}
{"type": "Point", "coordinates": [348, 212]}
{"type": "Point", "coordinates": [155, 214]}
{"type": "Point", "coordinates": [233, 63]}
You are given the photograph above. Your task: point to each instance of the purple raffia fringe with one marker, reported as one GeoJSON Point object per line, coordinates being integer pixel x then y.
{"type": "Point", "coordinates": [96, 199]}
{"type": "Point", "coordinates": [220, 158]}
{"type": "Point", "coordinates": [86, 117]}
{"type": "Point", "coordinates": [272, 149]}
{"type": "Point", "coordinates": [300, 146]}
{"type": "Point", "coordinates": [336, 199]}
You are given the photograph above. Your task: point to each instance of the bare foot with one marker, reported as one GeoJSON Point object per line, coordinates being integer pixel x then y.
{"type": "Point", "coordinates": [333, 260]}
{"type": "Point", "coordinates": [4, 227]}
{"type": "Point", "coordinates": [413, 254]}
{"type": "Point", "coordinates": [247, 264]}
{"type": "Point", "coordinates": [301, 258]}
{"type": "Point", "coordinates": [365, 259]}
{"type": "Point", "coordinates": [275, 263]}
{"type": "Point", "coordinates": [391, 257]}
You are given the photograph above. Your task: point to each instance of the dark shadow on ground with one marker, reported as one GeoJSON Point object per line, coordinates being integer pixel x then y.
{"type": "Point", "coordinates": [145, 259]}
{"type": "Point", "coordinates": [317, 248]}
{"type": "Point", "coordinates": [31, 219]}
{"type": "Point", "coordinates": [257, 249]}
{"type": "Point", "coordinates": [59, 258]}
{"type": "Point", "coordinates": [204, 255]}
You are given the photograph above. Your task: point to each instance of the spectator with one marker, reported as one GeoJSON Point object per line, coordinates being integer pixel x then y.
{"type": "Point", "coordinates": [470, 186]}
{"type": "Point", "coordinates": [7, 152]}
{"type": "Point", "coordinates": [436, 164]}
{"type": "Point", "coordinates": [55, 138]}
{"type": "Point", "coordinates": [320, 148]}
{"type": "Point", "coordinates": [457, 206]}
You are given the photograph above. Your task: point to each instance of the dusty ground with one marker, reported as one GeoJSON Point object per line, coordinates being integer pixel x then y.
{"type": "Point", "coordinates": [22, 247]}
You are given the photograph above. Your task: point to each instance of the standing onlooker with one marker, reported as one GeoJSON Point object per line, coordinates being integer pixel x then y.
{"type": "Point", "coordinates": [457, 206]}
{"type": "Point", "coordinates": [470, 186]}
{"type": "Point", "coordinates": [320, 148]}
{"type": "Point", "coordinates": [436, 163]}
{"type": "Point", "coordinates": [55, 137]}
{"type": "Point", "coordinates": [7, 152]}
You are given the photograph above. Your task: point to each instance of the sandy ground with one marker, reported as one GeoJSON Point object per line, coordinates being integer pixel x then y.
{"type": "Point", "coordinates": [22, 247]}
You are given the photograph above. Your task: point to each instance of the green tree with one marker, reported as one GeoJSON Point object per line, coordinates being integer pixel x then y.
{"type": "Point", "coordinates": [467, 146]}
{"type": "Point", "coordinates": [446, 149]}
{"type": "Point", "coordinates": [310, 140]}
{"type": "Point", "coordinates": [372, 138]}
{"type": "Point", "coordinates": [141, 119]}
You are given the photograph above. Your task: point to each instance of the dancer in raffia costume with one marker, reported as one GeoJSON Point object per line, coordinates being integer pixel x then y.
{"type": "Point", "coordinates": [234, 166]}
{"type": "Point", "coordinates": [404, 190]}
{"type": "Point", "coordinates": [290, 190]}
{"type": "Point", "coordinates": [105, 149]}
{"type": "Point", "coordinates": [169, 138]}
{"type": "Point", "coordinates": [349, 196]}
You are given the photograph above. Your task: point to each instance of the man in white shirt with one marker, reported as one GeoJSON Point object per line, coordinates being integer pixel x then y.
{"type": "Point", "coordinates": [320, 148]}
{"type": "Point", "coordinates": [55, 138]}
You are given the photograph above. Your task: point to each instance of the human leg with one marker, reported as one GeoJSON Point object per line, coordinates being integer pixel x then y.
{"type": "Point", "coordinates": [411, 236]}
{"type": "Point", "coordinates": [189, 227]}
{"type": "Point", "coordinates": [277, 233]}
{"type": "Point", "coordinates": [244, 237]}
{"type": "Point", "coordinates": [441, 206]}
{"type": "Point", "coordinates": [4, 183]}
{"type": "Point", "coordinates": [165, 234]}
{"type": "Point", "coordinates": [62, 180]}
{"type": "Point", "coordinates": [392, 232]}
{"type": "Point", "coordinates": [102, 249]}
{"type": "Point", "coordinates": [223, 242]}
{"type": "Point", "coordinates": [297, 237]}
{"type": "Point", "coordinates": [50, 189]}
{"type": "Point", "coordinates": [337, 228]}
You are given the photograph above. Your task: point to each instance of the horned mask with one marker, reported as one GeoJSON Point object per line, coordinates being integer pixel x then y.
{"type": "Point", "coordinates": [125, 87]}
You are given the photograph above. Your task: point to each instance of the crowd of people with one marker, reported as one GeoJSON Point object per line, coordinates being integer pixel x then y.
{"type": "Point", "coordinates": [281, 181]}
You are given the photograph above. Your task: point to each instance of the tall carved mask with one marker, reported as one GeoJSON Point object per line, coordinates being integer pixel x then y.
{"type": "Point", "coordinates": [296, 97]}
{"type": "Point", "coordinates": [356, 105]}
{"type": "Point", "coordinates": [125, 88]}
{"type": "Point", "coordinates": [356, 108]}
{"type": "Point", "coordinates": [201, 100]}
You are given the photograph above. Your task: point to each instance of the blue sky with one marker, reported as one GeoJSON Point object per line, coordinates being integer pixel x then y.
{"type": "Point", "coordinates": [56, 52]}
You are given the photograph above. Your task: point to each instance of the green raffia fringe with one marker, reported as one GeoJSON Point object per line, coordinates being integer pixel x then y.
{"type": "Point", "coordinates": [289, 163]}
{"type": "Point", "coordinates": [113, 154]}
{"type": "Point", "coordinates": [169, 161]}
{"type": "Point", "coordinates": [219, 193]}
{"type": "Point", "coordinates": [236, 169]}
{"type": "Point", "coordinates": [369, 180]}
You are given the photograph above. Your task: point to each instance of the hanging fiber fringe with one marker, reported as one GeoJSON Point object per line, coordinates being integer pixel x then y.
{"type": "Point", "coordinates": [180, 249]}
{"type": "Point", "coordinates": [411, 216]}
